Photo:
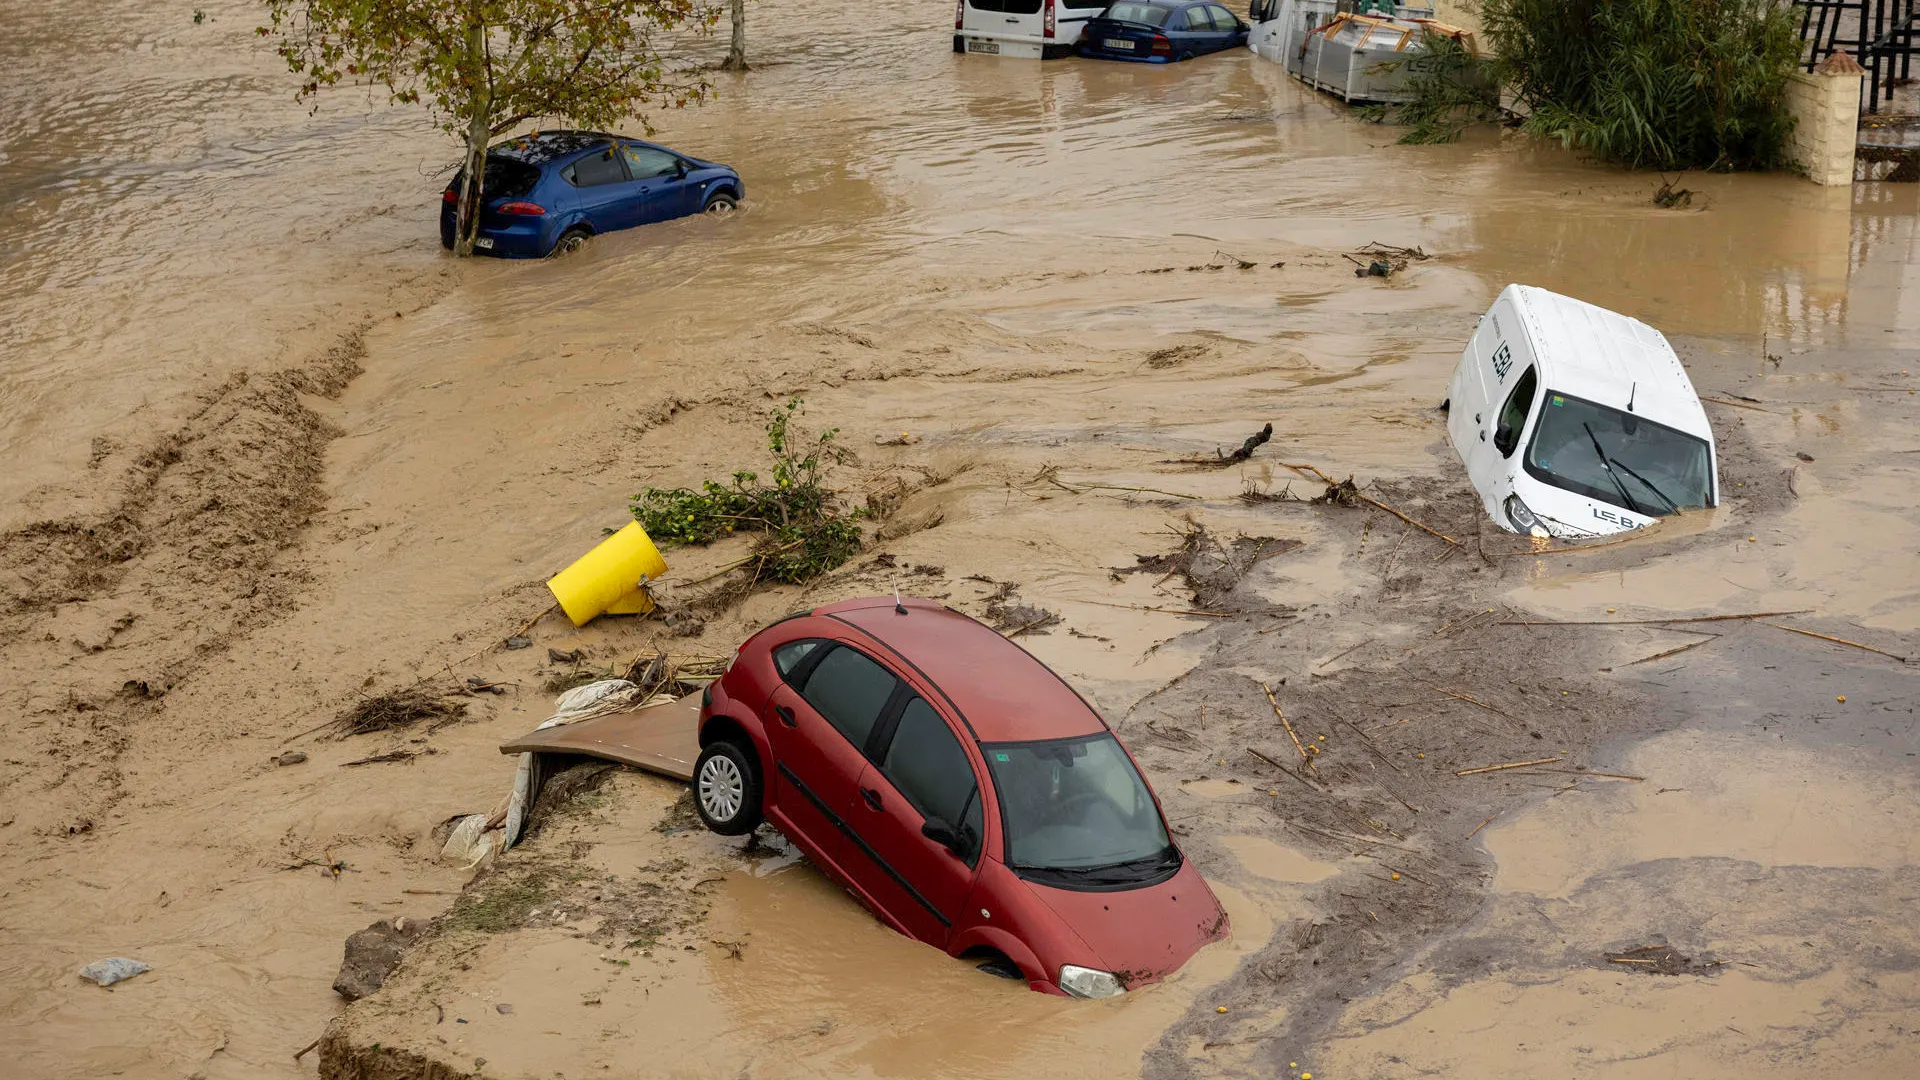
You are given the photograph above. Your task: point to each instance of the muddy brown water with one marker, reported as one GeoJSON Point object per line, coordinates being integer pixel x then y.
{"type": "Point", "coordinates": [990, 255]}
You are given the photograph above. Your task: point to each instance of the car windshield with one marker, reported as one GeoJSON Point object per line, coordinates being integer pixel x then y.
{"type": "Point", "coordinates": [1616, 457]}
{"type": "Point", "coordinates": [1150, 14]}
{"type": "Point", "coordinates": [1077, 807]}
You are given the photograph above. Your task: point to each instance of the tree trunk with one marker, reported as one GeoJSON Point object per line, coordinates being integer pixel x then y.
{"type": "Point", "coordinates": [737, 52]}
{"type": "Point", "coordinates": [467, 220]}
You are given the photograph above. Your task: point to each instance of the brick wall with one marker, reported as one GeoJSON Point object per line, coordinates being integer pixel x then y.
{"type": "Point", "coordinates": [1826, 110]}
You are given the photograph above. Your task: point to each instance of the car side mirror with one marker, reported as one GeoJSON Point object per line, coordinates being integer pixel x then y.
{"type": "Point", "coordinates": [941, 833]}
{"type": "Point", "coordinates": [1503, 438]}
{"type": "Point", "coordinates": [680, 170]}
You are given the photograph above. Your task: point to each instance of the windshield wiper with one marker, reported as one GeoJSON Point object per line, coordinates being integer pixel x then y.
{"type": "Point", "coordinates": [1671, 505]}
{"type": "Point", "coordinates": [1607, 464]}
{"type": "Point", "coordinates": [1143, 867]}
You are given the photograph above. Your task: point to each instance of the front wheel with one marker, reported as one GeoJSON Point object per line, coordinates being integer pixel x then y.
{"type": "Point", "coordinates": [720, 203]}
{"type": "Point", "coordinates": [726, 788]}
{"type": "Point", "coordinates": [570, 241]}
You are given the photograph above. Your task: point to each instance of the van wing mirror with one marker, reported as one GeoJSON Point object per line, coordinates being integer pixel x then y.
{"type": "Point", "coordinates": [1504, 437]}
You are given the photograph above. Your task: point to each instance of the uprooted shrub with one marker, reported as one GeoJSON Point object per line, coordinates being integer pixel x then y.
{"type": "Point", "coordinates": [1662, 84]}
{"type": "Point", "coordinates": [805, 531]}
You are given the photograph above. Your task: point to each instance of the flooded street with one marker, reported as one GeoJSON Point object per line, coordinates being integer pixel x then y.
{"type": "Point", "coordinates": [268, 448]}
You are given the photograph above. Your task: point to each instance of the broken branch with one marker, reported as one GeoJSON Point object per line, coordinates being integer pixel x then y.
{"type": "Point", "coordinates": [1508, 765]}
{"type": "Point", "coordinates": [1305, 758]}
{"type": "Point", "coordinates": [1649, 622]}
{"type": "Point", "coordinates": [1837, 641]}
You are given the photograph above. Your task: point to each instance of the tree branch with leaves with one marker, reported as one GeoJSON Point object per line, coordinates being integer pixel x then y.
{"type": "Point", "coordinates": [483, 67]}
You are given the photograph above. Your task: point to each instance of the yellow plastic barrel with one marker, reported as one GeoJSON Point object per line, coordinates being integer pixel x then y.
{"type": "Point", "coordinates": [606, 578]}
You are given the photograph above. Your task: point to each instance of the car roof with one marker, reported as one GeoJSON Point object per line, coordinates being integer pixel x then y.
{"type": "Point", "coordinates": [1002, 692]}
{"type": "Point", "coordinates": [542, 147]}
{"type": "Point", "coordinates": [1608, 358]}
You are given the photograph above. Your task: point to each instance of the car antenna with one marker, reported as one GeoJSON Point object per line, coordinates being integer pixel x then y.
{"type": "Point", "coordinates": [898, 607]}
{"type": "Point", "coordinates": [1631, 394]}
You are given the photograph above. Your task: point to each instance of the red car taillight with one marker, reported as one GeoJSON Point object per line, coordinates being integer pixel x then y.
{"type": "Point", "coordinates": [449, 196]}
{"type": "Point", "coordinates": [959, 14]}
{"type": "Point", "coordinates": [1161, 46]}
{"type": "Point", "coordinates": [523, 209]}
{"type": "Point", "coordinates": [1050, 21]}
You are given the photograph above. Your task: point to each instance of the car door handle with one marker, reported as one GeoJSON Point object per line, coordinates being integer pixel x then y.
{"type": "Point", "coordinates": [872, 797]}
{"type": "Point", "coordinates": [1013, 20]}
{"type": "Point", "coordinates": [786, 715]}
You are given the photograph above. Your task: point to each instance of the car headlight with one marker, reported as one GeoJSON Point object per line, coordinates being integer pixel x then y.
{"type": "Point", "coordinates": [1523, 519]}
{"type": "Point", "coordinates": [1089, 983]}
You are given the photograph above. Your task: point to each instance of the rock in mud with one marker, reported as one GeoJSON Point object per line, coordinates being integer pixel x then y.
{"type": "Point", "coordinates": [113, 970]}
{"type": "Point", "coordinates": [291, 757]}
{"type": "Point", "coordinates": [371, 955]}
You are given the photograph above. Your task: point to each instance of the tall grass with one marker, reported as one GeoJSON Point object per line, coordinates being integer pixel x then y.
{"type": "Point", "coordinates": [1662, 84]}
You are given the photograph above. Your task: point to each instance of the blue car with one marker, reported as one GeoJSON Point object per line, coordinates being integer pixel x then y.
{"type": "Point", "coordinates": [547, 192]}
{"type": "Point", "coordinates": [1160, 32]}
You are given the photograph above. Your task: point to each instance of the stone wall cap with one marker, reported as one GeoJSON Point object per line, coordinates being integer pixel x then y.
{"type": "Point", "coordinates": [1840, 63]}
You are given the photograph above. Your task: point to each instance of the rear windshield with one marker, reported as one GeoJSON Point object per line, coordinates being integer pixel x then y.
{"type": "Point", "coordinates": [505, 178]}
{"type": "Point", "coordinates": [1616, 457]}
{"type": "Point", "coordinates": [1011, 7]}
{"type": "Point", "coordinates": [1150, 14]}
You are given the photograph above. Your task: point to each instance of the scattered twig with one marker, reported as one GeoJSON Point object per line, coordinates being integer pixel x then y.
{"type": "Point", "coordinates": [1601, 775]}
{"type": "Point", "coordinates": [305, 1050]}
{"type": "Point", "coordinates": [1283, 769]}
{"type": "Point", "coordinates": [1482, 825]}
{"type": "Point", "coordinates": [1162, 610]}
{"type": "Point", "coordinates": [394, 755]}
{"type": "Point", "coordinates": [1367, 741]}
{"type": "Point", "coordinates": [1476, 701]}
{"type": "Point", "coordinates": [1837, 641]}
{"type": "Point", "coordinates": [1734, 404]}
{"type": "Point", "coordinates": [1508, 765]}
{"type": "Point", "coordinates": [1410, 874]}
{"type": "Point", "coordinates": [1371, 501]}
{"type": "Point", "coordinates": [1649, 622]}
{"type": "Point", "coordinates": [1335, 658]}
{"type": "Point", "coordinates": [1669, 652]}
{"type": "Point", "coordinates": [1305, 758]}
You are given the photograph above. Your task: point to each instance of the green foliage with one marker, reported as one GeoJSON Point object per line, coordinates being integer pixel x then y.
{"type": "Point", "coordinates": [804, 532]}
{"type": "Point", "coordinates": [1664, 84]}
{"type": "Point", "coordinates": [1452, 88]}
{"type": "Point", "coordinates": [483, 67]}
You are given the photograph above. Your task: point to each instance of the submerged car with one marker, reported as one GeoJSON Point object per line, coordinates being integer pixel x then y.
{"type": "Point", "coordinates": [1574, 421]}
{"type": "Point", "coordinates": [549, 191]}
{"type": "Point", "coordinates": [959, 789]}
{"type": "Point", "coordinates": [1160, 31]}
{"type": "Point", "coordinates": [1030, 29]}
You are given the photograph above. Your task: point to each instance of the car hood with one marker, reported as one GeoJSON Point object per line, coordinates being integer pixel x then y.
{"type": "Point", "coordinates": [1142, 935]}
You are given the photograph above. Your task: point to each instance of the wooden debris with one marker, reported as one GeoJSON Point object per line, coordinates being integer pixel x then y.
{"type": "Point", "coordinates": [1837, 641]}
{"type": "Point", "coordinates": [1482, 825]}
{"type": "Point", "coordinates": [1305, 758]}
{"type": "Point", "coordinates": [1650, 622]}
{"type": "Point", "coordinates": [1508, 765]}
{"type": "Point", "coordinates": [1369, 500]}
{"type": "Point", "coordinates": [1669, 652]}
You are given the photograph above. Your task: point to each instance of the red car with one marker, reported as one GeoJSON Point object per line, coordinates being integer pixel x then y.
{"type": "Point", "coordinates": [959, 788]}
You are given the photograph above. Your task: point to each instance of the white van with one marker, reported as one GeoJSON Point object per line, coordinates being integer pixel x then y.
{"type": "Point", "coordinates": [1576, 421]}
{"type": "Point", "coordinates": [1035, 29]}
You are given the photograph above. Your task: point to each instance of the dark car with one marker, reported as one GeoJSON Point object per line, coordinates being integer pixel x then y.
{"type": "Point", "coordinates": [959, 789]}
{"type": "Point", "coordinates": [549, 191]}
{"type": "Point", "coordinates": [1160, 33]}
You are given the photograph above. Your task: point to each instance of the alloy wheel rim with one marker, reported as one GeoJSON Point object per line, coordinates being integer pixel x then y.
{"type": "Point", "coordinates": [721, 788]}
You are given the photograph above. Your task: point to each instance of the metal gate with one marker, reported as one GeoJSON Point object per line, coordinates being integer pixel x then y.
{"type": "Point", "coordinates": [1879, 33]}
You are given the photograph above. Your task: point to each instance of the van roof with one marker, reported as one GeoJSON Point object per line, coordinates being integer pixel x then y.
{"type": "Point", "coordinates": [1608, 358]}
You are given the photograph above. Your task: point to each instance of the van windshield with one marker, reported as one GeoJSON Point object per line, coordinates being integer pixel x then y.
{"type": "Point", "coordinates": [1619, 458]}
{"type": "Point", "coordinates": [1146, 14]}
{"type": "Point", "coordinates": [1076, 814]}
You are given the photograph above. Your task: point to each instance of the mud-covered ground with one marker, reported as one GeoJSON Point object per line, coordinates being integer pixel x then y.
{"type": "Point", "coordinates": [275, 455]}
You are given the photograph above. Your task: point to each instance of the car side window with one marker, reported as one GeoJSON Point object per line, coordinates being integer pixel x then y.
{"type": "Point", "coordinates": [1222, 18]}
{"type": "Point", "coordinates": [926, 763]}
{"type": "Point", "coordinates": [849, 690]}
{"type": "Point", "coordinates": [1513, 415]}
{"type": "Point", "coordinates": [1190, 19]}
{"type": "Point", "coordinates": [597, 168]}
{"type": "Point", "coordinates": [644, 162]}
{"type": "Point", "coordinates": [788, 657]}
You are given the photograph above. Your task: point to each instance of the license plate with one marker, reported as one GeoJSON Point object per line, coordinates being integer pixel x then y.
{"type": "Point", "coordinates": [484, 243]}
{"type": "Point", "coordinates": [1116, 43]}
{"type": "Point", "coordinates": [983, 46]}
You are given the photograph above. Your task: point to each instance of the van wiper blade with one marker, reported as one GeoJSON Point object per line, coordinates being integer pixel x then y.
{"type": "Point", "coordinates": [1607, 464]}
{"type": "Point", "coordinates": [1672, 506]}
